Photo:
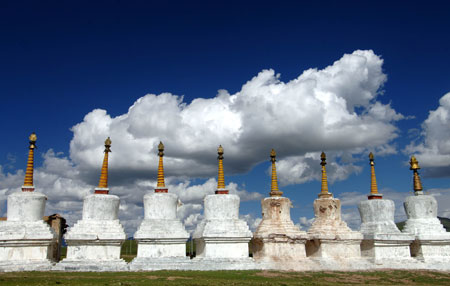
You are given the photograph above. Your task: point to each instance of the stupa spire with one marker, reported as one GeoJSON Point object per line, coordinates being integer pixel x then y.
{"type": "Point", "coordinates": [324, 188]}
{"type": "Point", "coordinates": [28, 184]}
{"type": "Point", "coordinates": [417, 183]}
{"type": "Point", "coordinates": [274, 191]}
{"type": "Point", "coordinates": [161, 186]}
{"type": "Point", "coordinates": [103, 182]}
{"type": "Point", "coordinates": [220, 178]}
{"type": "Point", "coordinates": [373, 180]}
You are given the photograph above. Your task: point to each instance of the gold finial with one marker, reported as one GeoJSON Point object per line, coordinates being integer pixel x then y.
{"type": "Point", "coordinates": [160, 149]}
{"type": "Point", "coordinates": [103, 182]}
{"type": "Point", "coordinates": [220, 177]}
{"type": "Point", "coordinates": [414, 163]}
{"type": "Point", "coordinates": [108, 144]}
{"type": "Point", "coordinates": [33, 139]}
{"type": "Point", "coordinates": [28, 181]}
{"type": "Point", "coordinates": [274, 191]}
{"type": "Point", "coordinates": [160, 187]}
{"type": "Point", "coordinates": [373, 180]}
{"type": "Point", "coordinates": [324, 189]}
{"type": "Point", "coordinates": [417, 183]}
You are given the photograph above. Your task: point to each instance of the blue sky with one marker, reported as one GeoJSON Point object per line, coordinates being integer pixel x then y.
{"type": "Point", "coordinates": [61, 60]}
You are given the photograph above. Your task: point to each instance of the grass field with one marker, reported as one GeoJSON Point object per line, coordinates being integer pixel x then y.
{"type": "Point", "coordinates": [227, 278]}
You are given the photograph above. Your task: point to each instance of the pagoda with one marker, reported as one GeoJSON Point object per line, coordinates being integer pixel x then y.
{"type": "Point", "coordinates": [94, 242]}
{"type": "Point", "coordinates": [432, 242]}
{"type": "Point", "coordinates": [382, 241]}
{"type": "Point", "coordinates": [277, 238]}
{"type": "Point", "coordinates": [329, 235]}
{"type": "Point", "coordinates": [221, 234]}
{"type": "Point", "coordinates": [161, 237]}
{"type": "Point", "coordinates": [26, 241]}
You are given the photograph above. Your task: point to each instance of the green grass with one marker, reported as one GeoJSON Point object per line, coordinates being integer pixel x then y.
{"type": "Point", "coordinates": [227, 278]}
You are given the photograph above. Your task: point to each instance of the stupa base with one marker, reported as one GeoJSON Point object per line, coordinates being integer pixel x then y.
{"type": "Point", "coordinates": [387, 247]}
{"type": "Point", "coordinates": [334, 249]}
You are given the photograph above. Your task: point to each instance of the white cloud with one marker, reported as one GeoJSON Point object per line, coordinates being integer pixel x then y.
{"type": "Point", "coordinates": [433, 151]}
{"type": "Point", "coordinates": [330, 109]}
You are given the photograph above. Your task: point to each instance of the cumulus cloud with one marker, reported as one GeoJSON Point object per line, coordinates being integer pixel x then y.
{"type": "Point", "coordinates": [433, 150]}
{"type": "Point", "coordinates": [335, 108]}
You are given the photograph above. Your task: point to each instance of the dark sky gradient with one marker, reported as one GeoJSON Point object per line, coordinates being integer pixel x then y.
{"type": "Point", "coordinates": [61, 59]}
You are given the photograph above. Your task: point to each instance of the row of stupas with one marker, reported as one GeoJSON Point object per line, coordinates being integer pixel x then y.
{"type": "Point", "coordinates": [222, 238]}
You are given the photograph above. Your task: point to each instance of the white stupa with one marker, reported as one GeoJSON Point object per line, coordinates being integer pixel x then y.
{"type": "Point", "coordinates": [222, 236]}
{"type": "Point", "coordinates": [383, 241]}
{"type": "Point", "coordinates": [94, 242]}
{"type": "Point", "coordinates": [25, 239]}
{"type": "Point", "coordinates": [432, 242]}
{"type": "Point", "coordinates": [161, 237]}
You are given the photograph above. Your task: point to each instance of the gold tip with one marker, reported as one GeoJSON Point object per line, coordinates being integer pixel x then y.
{"type": "Point", "coordinates": [161, 183]}
{"type": "Point", "coordinates": [103, 182]}
{"type": "Point", "coordinates": [323, 157]}
{"type": "Point", "coordinates": [108, 144]}
{"type": "Point", "coordinates": [324, 188]}
{"type": "Point", "coordinates": [414, 163]}
{"type": "Point", "coordinates": [160, 149]}
{"type": "Point", "coordinates": [273, 155]}
{"type": "Point", "coordinates": [220, 177]}
{"type": "Point", "coordinates": [416, 178]}
{"type": "Point", "coordinates": [32, 139]}
{"type": "Point", "coordinates": [373, 178]}
{"type": "Point", "coordinates": [274, 191]}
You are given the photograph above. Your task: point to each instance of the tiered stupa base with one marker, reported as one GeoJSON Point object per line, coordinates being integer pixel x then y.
{"type": "Point", "coordinates": [330, 237]}
{"type": "Point", "coordinates": [94, 243]}
{"type": "Point", "coordinates": [25, 239]}
{"type": "Point", "coordinates": [222, 235]}
{"type": "Point", "coordinates": [382, 239]}
{"type": "Point", "coordinates": [432, 242]}
{"type": "Point", "coordinates": [161, 237]}
{"type": "Point", "coordinates": [277, 238]}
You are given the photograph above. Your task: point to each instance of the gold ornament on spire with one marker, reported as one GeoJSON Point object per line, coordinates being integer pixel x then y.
{"type": "Point", "coordinates": [324, 188]}
{"type": "Point", "coordinates": [417, 183]}
{"type": "Point", "coordinates": [103, 182]}
{"type": "Point", "coordinates": [373, 180]}
{"type": "Point", "coordinates": [161, 186]}
{"type": "Point", "coordinates": [28, 184]}
{"type": "Point", "coordinates": [220, 177]}
{"type": "Point", "coordinates": [274, 191]}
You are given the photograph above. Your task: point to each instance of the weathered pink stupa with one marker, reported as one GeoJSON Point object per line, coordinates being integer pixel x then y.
{"type": "Point", "coordinates": [277, 238]}
{"type": "Point", "coordinates": [330, 237]}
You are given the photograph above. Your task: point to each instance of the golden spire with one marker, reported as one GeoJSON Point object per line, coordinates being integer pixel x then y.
{"type": "Point", "coordinates": [161, 186]}
{"type": "Point", "coordinates": [417, 183]}
{"type": "Point", "coordinates": [274, 191]}
{"type": "Point", "coordinates": [373, 180]}
{"type": "Point", "coordinates": [220, 177]}
{"type": "Point", "coordinates": [28, 185]}
{"type": "Point", "coordinates": [103, 183]}
{"type": "Point", "coordinates": [324, 189]}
